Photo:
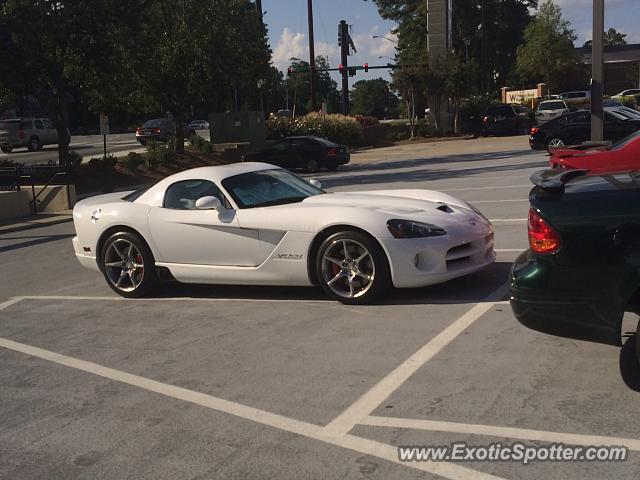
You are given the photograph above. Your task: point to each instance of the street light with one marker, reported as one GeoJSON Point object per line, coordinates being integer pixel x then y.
{"type": "Point", "coordinates": [386, 38]}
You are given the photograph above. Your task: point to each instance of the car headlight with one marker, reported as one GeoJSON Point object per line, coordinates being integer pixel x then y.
{"type": "Point", "coordinates": [410, 229]}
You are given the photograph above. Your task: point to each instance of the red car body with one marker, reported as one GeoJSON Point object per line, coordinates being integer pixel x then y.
{"type": "Point", "coordinates": [598, 159]}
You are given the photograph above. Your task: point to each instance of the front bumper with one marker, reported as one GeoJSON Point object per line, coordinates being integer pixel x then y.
{"type": "Point", "coordinates": [544, 298]}
{"type": "Point", "coordinates": [419, 262]}
{"type": "Point", "coordinates": [536, 143]}
{"type": "Point", "coordinates": [86, 260]}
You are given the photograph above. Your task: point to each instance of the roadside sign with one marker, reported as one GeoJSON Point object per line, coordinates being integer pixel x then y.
{"type": "Point", "coordinates": [104, 124]}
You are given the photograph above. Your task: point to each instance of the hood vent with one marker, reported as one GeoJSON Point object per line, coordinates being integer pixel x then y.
{"type": "Point", "coordinates": [445, 208]}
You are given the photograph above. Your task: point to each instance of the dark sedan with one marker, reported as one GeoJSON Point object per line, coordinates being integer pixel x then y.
{"type": "Point", "coordinates": [160, 130]}
{"type": "Point", "coordinates": [582, 271]}
{"type": "Point", "coordinates": [500, 119]}
{"type": "Point", "coordinates": [308, 153]}
{"type": "Point", "coordinates": [574, 128]}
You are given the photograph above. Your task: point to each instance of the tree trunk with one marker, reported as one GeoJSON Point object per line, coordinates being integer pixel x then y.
{"type": "Point", "coordinates": [179, 144]}
{"type": "Point", "coordinates": [62, 123]}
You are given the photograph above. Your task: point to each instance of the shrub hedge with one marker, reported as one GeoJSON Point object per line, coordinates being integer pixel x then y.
{"type": "Point", "coordinates": [334, 127]}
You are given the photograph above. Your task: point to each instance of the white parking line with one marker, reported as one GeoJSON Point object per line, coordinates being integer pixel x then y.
{"type": "Point", "coordinates": [367, 403]}
{"type": "Point", "coordinates": [485, 188]}
{"type": "Point", "coordinates": [504, 432]}
{"type": "Point", "coordinates": [305, 429]}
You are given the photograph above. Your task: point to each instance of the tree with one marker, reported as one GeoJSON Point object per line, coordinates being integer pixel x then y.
{"type": "Point", "coordinates": [547, 49]}
{"type": "Point", "coordinates": [53, 47]}
{"type": "Point", "coordinates": [611, 38]}
{"type": "Point", "coordinates": [196, 50]}
{"type": "Point", "coordinates": [299, 86]}
{"type": "Point", "coordinates": [374, 98]}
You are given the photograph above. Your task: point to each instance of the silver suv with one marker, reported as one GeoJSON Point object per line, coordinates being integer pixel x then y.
{"type": "Point", "coordinates": [32, 133]}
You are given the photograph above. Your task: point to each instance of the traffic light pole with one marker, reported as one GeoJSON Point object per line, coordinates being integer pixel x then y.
{"type": "Point", "coordinates": [597, 74]}
{"type": "Point", "coordinates": [344, 60]}
{"type": "Point", "coordinates": [312, 56]}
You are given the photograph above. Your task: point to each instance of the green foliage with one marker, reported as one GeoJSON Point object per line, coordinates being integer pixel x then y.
{"type": "Point", "coordinates": [373, 98]}
{"type": "Point", "coordinates": [547, 50]}
{"type": "Point", "coordinates": [611, 38]}
{"type": "Point", "coordinates": [158, 154]}
{"type": "Point", "coordinates": [299, 88]}
{"type": "Point", "coordinates": [201, 145]}
{"type": "Point", "coordinates": [132, 161]}
{"type": "Point", "coordinates": [335, 127]}
{"type": "Point", "coordinates": [101, 163]}
{"type": "Point", "coordinates": [74, 159]}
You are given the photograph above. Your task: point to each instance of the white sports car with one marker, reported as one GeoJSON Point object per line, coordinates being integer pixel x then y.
{"type": "Point", "coordinates": [256, 224]}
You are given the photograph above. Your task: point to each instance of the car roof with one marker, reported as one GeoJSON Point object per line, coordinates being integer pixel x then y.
{"type": "Point", "coordinates": [215, 174]}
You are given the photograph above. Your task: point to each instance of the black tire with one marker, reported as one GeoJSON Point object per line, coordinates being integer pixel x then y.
{"type": "Point", "coordinates": [137, 282]}
{"type": "Point", "coordinates": [373, 278]}
{"type": "Point", "coordinates": [34, 144]}
{"type": "Point", "coordinates": [6, 149]}
{"type": "Point", "coordinates": [332, 168]}
{"type": "Point", "coordinates": [312, 165]}
{"type": "Point", "coordinates": [553, 139]}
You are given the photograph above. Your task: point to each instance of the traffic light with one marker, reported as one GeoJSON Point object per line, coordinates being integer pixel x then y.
{"type": "Point", "coordinates": [339, 35]}
{"type": "Point", "coordinates": [352, 71]}
{"type": "Point", "coordinates": [366, 67]}
{"type": "Point", "coordinates": [341, 69]}
{"type": "Point", "coordinates": [289, 71]}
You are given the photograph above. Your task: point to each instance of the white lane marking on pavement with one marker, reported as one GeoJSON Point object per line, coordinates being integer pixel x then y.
{"type": "Point", "coordinates": [498, 201]}
{"type": "Point", "coordinates": [493, 220]}
{"type": "Point", "coordinates": [10, 302]}
{"type": "Point", "coordinates": [299, 427]}
{"type": "Point", "coordinates": [506, 432]}
{"type": "Point", "coordinates": [485, 188]}
{"type": "Point", "coordinates": [377, 394]}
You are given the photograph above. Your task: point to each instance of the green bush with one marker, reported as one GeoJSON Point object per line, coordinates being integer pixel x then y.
{"type": "Point", "coordinates": [74, 159]}
{"type": "Point", "coordinates": [101, 163]}
{"type": "Point", "coordinates": [158, 154]}
{"type": "Point", "coordinates": [336, 128]}
{"type": "Point", "coordinates": [200, 144]}
{"type": "Point", "coordinates": [632, 101]}
{"type": "Point", "coordinates": [132, 161]}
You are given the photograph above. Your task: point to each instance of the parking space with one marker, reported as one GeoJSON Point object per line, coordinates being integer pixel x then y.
{"type": "Point", "coordinates": [256, 382]}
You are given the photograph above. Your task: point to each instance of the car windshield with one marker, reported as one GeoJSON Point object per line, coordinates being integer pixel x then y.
{"type": "Point", "coordinates": [552, 106]}
{"type": "Point", "coordinates": [625, 141]}
{"type": "Point", "coordinates": [325, 142]}
{"type": "Point", "coordinates": [154, 123]}
{"type": "Point", "coordinates": [268, 187]}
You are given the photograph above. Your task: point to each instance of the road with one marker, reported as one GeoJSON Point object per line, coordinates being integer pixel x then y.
{"type": "Point", "coordinates": [220, 382]}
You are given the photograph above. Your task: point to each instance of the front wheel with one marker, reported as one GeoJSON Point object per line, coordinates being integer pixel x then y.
{"type": "Point", "coordinates": [352, 268]}
{"type": "Point", "coordinates": [34, 144]}
{"type": "Point", "coordinates": [554, 142]}
{"type": "Point", "coordinates": [312, 165]}
{"type": "Point", "coordinates": [6, 149]}
{"type": "Point", "coordinates": [128, 265]}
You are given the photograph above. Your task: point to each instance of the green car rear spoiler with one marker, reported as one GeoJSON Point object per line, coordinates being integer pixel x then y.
{"type": "Point", "coordinates": [555, 179]}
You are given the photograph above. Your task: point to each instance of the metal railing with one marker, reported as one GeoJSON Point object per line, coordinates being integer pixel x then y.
{"type": "Point", "coordinates": [37, 177]}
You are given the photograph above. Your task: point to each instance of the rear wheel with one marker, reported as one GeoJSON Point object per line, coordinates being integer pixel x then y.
{"type": "Point", "coordinates": [34, 144]}
{"type": "Point", "coordinates": [352, 268]}
{"type": "Point", "coordinates": [554, 142]}
{"type": "Point", "coordinates": [128, 265]}
{"type": "Point", "coordinates": [312, 165]}
{"type": "Point", "coordinates": [6, 149]}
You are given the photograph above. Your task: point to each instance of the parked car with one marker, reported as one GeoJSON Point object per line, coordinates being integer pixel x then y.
{"type": "Point", "coordinates": [160, 130]}
{"type": "Point", "coordinates": [500, 119]}
{"type": "Point", "coordinates": [575, 127]}
{"type": "Point", "coordinates": [199, 125]}
{"type": "Point", "coordinates": [581, 272]}
{"type": "Point", "coordinates": [303, 152]}
{"type": "Point", "coordinates": [256, 224]}
{"type": "Point", "coordinates": [33, 133]}
{"type": "Point", "coordinates": [625, 111]}
{"type": "Point", "coordinates": [628, 92]}
{"type": "Point", "coordinates": [611, 103]}
{"type": "Point", "coordinates": [577, 97]}
{"type": "Point", "coordinates": [600, 160]}
{"type": "Point", "coordinates": [550, 109]}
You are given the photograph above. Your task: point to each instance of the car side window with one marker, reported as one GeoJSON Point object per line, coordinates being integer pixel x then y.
{"type": "Point", "coordinates": [47, 123]}
{"type": "Point", "coordinates": [280, 146]}
{"type": "Point", "coordinates": [183, 195]}
{"type": "Point", "coordinates": [39, 124]}
{"type": "Point", "coordinates": [581, 118]}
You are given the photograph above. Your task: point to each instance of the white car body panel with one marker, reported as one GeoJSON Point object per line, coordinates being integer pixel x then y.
{"type": "Point", "coordinates": [271, 245]}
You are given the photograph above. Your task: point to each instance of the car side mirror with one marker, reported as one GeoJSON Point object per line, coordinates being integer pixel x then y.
{"type": "Point", "coordinates": [315, 183]}
{"type": "Point", "coordinates": [209, 203]}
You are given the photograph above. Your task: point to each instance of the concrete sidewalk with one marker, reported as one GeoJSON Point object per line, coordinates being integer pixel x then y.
{"type": "Point", "coordinates": [35, 221]}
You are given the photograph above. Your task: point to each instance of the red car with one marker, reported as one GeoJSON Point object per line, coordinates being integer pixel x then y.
{"type": "Point", "coordinates": [599, 159]}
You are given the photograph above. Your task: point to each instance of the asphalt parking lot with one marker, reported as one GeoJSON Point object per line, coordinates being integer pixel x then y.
{"type": "Point", "coordinates": [259, 383]}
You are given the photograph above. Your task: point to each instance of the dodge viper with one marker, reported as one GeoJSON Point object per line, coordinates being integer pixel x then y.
{"type": "Point", "coordinates": [256, 224]}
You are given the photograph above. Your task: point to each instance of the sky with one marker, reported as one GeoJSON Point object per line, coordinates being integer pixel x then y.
{"type": "Point", "coordinates": [287, 24]}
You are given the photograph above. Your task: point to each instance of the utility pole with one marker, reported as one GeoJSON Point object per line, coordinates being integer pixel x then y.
{"type": "Point", "coordinates": [343, 31]}
{"type": "Point", "coordinates": [484, 85]}
{"type": "Point", "coordinates": [312, 56]}
{"type": "Point", "coordinates": [597, 72]}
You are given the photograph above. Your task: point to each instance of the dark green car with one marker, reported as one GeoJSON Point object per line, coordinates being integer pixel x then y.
{"type": "Point", "coordinates": [582, 271]}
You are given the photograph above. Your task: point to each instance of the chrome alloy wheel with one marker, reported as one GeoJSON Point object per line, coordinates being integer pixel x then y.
{"type": "Point", "coordinates": [124, 265]}
{"type": "Point", "coordinates": [348, 268]}
{"type": "Point", "coordinates": [556, 142]}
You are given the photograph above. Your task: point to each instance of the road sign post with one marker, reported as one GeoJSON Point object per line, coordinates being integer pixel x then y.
{"type": "Point", "coordinates": [104, 130]}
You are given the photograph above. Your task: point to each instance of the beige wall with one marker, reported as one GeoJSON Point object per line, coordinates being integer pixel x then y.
{"type": "Point", "coordinates": [54, 198]}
